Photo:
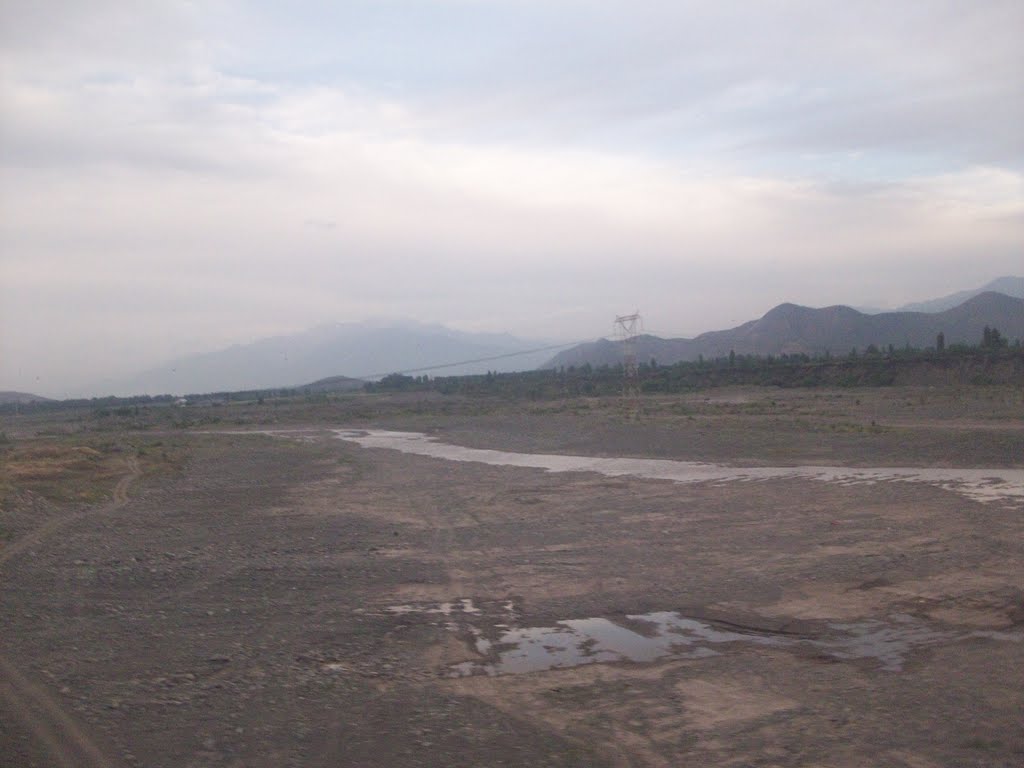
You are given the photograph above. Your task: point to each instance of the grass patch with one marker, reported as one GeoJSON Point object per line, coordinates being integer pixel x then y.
{"type": "Point", "coordinates": [61, 470]}
{"type": "Point", "coordinates": [73, 469]}
{"type": "Point", "coordinates": [160, 456]}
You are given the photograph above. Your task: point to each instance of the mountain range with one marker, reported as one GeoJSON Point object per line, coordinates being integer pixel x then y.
{"type": "Point", "coordinates": [790, 328]}
{"type": "Point", "coordinates": [364, 350]}
{"type": "Point", "coordinates": [322, 358]}
{"type": "Point", "coordinates": [1011, 286]}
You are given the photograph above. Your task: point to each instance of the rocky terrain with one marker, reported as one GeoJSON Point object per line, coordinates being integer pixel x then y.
{"type": "Point", "coordinates": [263, 593]}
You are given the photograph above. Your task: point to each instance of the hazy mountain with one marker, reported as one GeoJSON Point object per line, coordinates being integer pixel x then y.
{"type": "Point", "coordinates": [1010, 286]}
{"type": "Point", "coordinates": [21, 398]}
{"type": "Point", "coordinates": [789, 328]}
{"type": "Point", "coordinates": [339, 349]}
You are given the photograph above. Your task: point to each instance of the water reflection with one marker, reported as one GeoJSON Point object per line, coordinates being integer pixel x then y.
{"type": "Point", "coordinates": [588, 641]}
{"type": "Point", "coordinates": [669, 635]}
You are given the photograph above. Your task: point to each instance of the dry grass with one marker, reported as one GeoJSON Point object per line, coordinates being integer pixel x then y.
{"type": "Point", "coordinates": [60, 471]}
{"type": "Point", "coordinates": [73, 470]}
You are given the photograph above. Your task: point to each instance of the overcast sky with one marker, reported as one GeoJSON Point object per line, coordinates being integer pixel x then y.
{"type": "Point", "coordinates": [179, 176]}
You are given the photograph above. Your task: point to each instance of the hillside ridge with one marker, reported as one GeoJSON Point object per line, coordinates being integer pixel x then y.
{"type": "Point", "coordinates": [795, 329]}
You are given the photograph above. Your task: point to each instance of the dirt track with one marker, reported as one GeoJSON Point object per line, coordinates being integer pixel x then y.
{"type": "Point", "coordinates": [281, 602]}
{"type": "Point", "coordinates": [50, 727]}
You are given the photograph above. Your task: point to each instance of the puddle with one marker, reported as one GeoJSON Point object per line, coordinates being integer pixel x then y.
{"type": "Point", "coordinates": [889, 644]}
{"type": "Point", "coordinates": [985, 485]}
{"type": "Point", "coordinates": [665, 635]}
{"type": "Point", "coordinates": [585, 641]}
{"type": "Point", "coordinates": [445, 609]}
{"type": "Point", "coordinates": [299, 434]}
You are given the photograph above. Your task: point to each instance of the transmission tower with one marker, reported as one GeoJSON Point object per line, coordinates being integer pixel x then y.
{"type": "Point", "coordinates": [627, 328]}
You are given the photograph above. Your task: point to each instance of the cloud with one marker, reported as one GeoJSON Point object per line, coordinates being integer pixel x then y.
{"type": "Point", "coordinates": [181, 176]}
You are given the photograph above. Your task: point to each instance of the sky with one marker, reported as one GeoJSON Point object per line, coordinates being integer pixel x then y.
{"type": "Point", "coordinates": [177, 176]}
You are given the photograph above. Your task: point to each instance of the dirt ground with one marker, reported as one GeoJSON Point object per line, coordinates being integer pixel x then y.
{"type": "Point", "coordinates": [297, 600]}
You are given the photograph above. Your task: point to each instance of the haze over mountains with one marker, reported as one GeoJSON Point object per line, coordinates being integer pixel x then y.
{"type": "Point", "coordinates": [1011, 286]}
{"type": "Point", "coordinates": [346, 349]}
{"type": "Point", "coordinates": [377, 348]}
{"type": "Point", "coordinates": [790, 329]}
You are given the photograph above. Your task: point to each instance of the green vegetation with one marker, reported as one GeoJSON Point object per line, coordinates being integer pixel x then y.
{"type": "Point", "coordinates": [992, 361]}
{"type": "Point", "coordinates": [871, 367]}
{"type": "Point", "coordinates": [992, 339]}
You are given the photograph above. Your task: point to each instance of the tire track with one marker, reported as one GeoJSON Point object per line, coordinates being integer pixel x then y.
{"type": "Point", "coordinates": [61, 737]}
{"type": "Point", "coordinates": [64, 741]}
{"type": "Point", "coordinates": [120, 498]}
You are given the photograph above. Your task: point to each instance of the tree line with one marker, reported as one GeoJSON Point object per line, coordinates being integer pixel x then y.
{"type": "Point", "coordinates": [874, 365]}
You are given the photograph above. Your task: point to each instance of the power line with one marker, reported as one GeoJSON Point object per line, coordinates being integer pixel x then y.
{"type": "Point", "coordinates": [667, 336]}
{"type": "Point", "coordinates": [372, 376]}
{"type": "Point", "coordinates": [441, 366]}
{"type": "Point", "coordinates": [627, 329]}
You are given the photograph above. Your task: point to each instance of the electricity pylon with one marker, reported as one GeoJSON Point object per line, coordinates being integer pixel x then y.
{"type": "Point", "coordinates": [627, 328]}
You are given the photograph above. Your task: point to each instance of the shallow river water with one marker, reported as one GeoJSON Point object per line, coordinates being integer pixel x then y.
{"type": "Point", "coordinates": [986, 485]}
{"type": "Point", "coordinates": [510, 649]}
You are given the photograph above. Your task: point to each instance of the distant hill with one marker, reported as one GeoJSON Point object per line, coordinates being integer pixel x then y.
{"type": "Point", "coordinates": [789, 329]}
{"type": "Point", "coordinates": [21, 398]}
{"type": "Point", "coordinates": [333, 384]}
{"type": "Point", "coordinates": [1010, 286]}
{"type": "Point", "coordinates": [337, 349]}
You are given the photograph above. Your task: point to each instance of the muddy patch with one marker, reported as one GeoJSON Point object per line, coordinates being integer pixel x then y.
{"type": "Point", "coordinates": [713, 704]}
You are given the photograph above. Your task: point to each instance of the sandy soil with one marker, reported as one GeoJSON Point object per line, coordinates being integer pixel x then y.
{"type": "Point", "coordinates": [281, 601]}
